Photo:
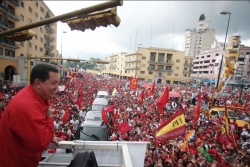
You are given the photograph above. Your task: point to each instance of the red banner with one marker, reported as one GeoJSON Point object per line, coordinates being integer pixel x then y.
{"type": "Point", "coordinates": [133, 83]}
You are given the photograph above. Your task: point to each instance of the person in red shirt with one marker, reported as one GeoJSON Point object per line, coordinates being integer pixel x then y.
{"type": "Point", "coordinates": [27, 123]}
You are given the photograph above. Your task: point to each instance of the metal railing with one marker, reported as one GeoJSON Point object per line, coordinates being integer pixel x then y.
{"type": "Point", "coordinates": [16, 3]}
{"type": "Point", "coordinates": [130, 61]}
{"type": "Point", "coordinates": [187, 64]}
{"type": "Point", "coordinates": [47, 36]}
{"type": "Point", "coordinates": [48, 46]}
{"type": "Point", "coordinates": [126, 154]}
{"type": "Point", "coordinates": [161, 62]}
{"type": "Point", "coordinates": [6, 42]}
{"type": "Point", "coordinates": [49, 29]}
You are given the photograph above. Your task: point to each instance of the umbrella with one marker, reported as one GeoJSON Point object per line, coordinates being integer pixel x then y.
{"type": "Point", "coordinates": [147, 85]}
{"type": "Point", "coordinates": [174, 94]}
{"type": "Point", "coordinates": [20, 84]}
{"type": "Point", "coordinates": [68, 76]}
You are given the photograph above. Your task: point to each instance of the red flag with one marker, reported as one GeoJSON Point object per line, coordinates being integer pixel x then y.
{"type": "Point", "coordinates": [133, 83]}
{"type": "Point", "coordinates": [1, 95]}
{"type": "Point", "coordinates": [109, 109]}
{"type": "Point", "coordinates": [197, 109]}
{"type": "Point", "coordinates": [142, 98]}
{"type": "Point", "coordinates": [104, 116]}
{"type": "Point", "coordinates": [65, 117]}
{"type": "Point", "coordinates": [173, 127]}
{"type": "Point", "coordinates": [124, 127]}
{"type": "Point", "coordinates": [152, 90]}
{"type": "Point", "coordinates": [79, 102]}
{"type": "Point", "coordinates": [162, 100]}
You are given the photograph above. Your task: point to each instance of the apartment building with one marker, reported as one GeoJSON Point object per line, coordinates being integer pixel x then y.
{"type": "Point", "coordinates": [196, 42]}
{"type": "Point", "coordinates": [149, 64]}
{"type": "Point", "coordinates": [206, 65]}
{"type": "Point", "coordinates": [13, 55]}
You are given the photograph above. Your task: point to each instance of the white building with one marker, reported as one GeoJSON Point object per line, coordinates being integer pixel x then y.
{"type": "Point", "coordinates": [196, 42]}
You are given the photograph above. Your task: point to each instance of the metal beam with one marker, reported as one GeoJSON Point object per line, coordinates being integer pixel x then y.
{"type": "Point", "coordinates": [81, 12]}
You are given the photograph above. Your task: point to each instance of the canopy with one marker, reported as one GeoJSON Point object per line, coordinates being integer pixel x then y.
{"type": "Point", "coordinates": [20, 84]}
{"type": "Point", "coordinates": [174, 94]}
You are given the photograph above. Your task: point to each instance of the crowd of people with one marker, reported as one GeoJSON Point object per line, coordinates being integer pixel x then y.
{"type": "Point", "coordinates": [203, 144]}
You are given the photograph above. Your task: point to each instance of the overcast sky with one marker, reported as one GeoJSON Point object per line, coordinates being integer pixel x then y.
{"type": "Point", "coordinates": [158, 24]}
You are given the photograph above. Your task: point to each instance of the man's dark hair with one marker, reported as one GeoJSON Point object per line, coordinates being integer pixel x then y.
{"type": "Point", "coordinates": [41, 71]}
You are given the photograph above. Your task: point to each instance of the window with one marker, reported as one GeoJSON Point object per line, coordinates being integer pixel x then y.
{"type": "Point", "coordinates": [36, 4]}
{"type": "Point", "coordinates": [169, 74]}
{"type": "Point", "coordinates": [186, 61]}
{"type": "Point", "coordinates": [217, 54]}
{"type": "Point", "coordinates": [143, 57]}
{"type": "Point", "coordinates": [21, 17]}
{"type": "Point", "coordinates": [22, 4]}
{"type": "Point", "coordinates": [41, 40]}
{"type": "Point", "coordinates": [30, 9]}
{"type": "Point", "coordinates": [21, 43]}
{"type": "Point", "coordinates": [21, 55]}
{"type": "Point", "coordinates": [41, 18]}
{"type": "Point", "coordinates": [185, 68]}
{"type": "Point", "coordinates": [30, 44]}
{"type": "Point", "coordinates": [176, 74]}
{"type": "Point", "coordinates": [142, 72]}
{"type": "Point", "coordinates": [30, 21]}
{"type": "Point", "coordinates": [35, 47]}
{"type": "Point", "coordinates": [41, 49]}
{"type": "Point", "coordinates": [143, 65]}
{"type": "Point", "coordinates": [36, 15]}
{"type": "Point", "coordinates": [177, 68]}
{"type": "Point", "coordinates": [150, 73]}
{"type": "Point", "coordinates": [42, 10]}
{"type": "Point", "coordinates": [9, 53]}
{"type": "Point", "coordinates": [1, 51]}
{"type": "Point", "coordinates": [208, 55]}
{"type": "Point", "coordinates": [177, 60]}
{"type": "Point", "coordinates": [41, 29]}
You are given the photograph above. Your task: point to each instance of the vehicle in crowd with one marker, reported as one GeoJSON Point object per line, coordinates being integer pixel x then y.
{"type": "Point", "coordinates": [231, 114]}
{"type": "Point", "coordinates": [102, 94]}
{"type": "Point", "coordinates": [93, 116]}
{"type": "Point", "coordinates": [99, 103]}
{"type": "Point", "coordinates": [92, 131]}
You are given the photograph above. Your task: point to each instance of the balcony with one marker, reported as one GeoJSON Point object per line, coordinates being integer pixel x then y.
{"type": "Point", "coordinates": [159, 76]}
{"type": "Point", "coordinates": [47, 46]}
{"type": "Point", "coordinates": [15, 3]}
{"type": "Point", "coordinates": [242, 56]}
{"type": "Point", "coordinates": [188, 64]}
{"type": "Point", "coordinates": [159, 69]}
{"type": "Point", "coordinates": [186, 71]}
{"type": "Point", "coordinates": [161, 62]}
{"type": "Point", "coordinates": [113, 60]}
{"type": "Point", "coordinates": [132, 68]}
{"type": "Point", "coordinates": [49, 29]}
{"type": "Point", "coordinates": [8, 43]}
{"type": "Point", "coordinates": [11, 14]}
{"type": "Point", "coordinates": [239, 75]}
{"type": "Point", "coordinates": [4, 25]}
{"type": "Point", "coordinates": [48, 37]}
{"type": "Point", "coordinates": [49, 54]}
{"type": "Point", "coordinates": [131, 61]}
{"type": "Point", "coordinates": [112, 66]}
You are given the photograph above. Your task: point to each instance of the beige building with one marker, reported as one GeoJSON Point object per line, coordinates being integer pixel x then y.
{"type": "Point", "coordinates": [16, 13]}
{"type": "Point", "coordinates": [160, 64]}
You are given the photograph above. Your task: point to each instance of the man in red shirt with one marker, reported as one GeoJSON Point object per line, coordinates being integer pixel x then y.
{"type": "Point", "coordinates": [27, 123]}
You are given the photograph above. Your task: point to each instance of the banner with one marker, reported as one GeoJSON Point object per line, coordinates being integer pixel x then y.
{"type": "Point", "coordinates": [133, 83]}
{"type": "Point", "coordinates": [173, 127]}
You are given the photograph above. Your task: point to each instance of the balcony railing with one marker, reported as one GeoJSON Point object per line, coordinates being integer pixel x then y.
{"type": "Point", "coordinates": [187, 64]}
{"type": "Point", "coordinates": [161, 62]}
{"type": "Point", "coordinates": [131, 61]}
{"type": "Point", "coordinates": [16, 3]}
{"type": "Point", "coordinates": [49, 29]}
{"type": "Point", "coordinates": [113, 60]}
{"type": "Point", "coordinates": [47, 36]}
{"type": "Point", "coordinates": [186, 71]}
{"type": "Point", "coordinates": [48, 46]}
{"type": "Point", "coordinates": [159, 76]}
{"type": "Point", "coordinates": [132, 68]}
{"type": "Point", "coordinates": [112, 66]}
{"type": "Point", "coordinates": [242, 56]}
{"type": "Point", "coordinates": [11, 14]}
{"type": "Point", "coordinates": [4, 25]}
{"type": "Point", "coordinates": [49, 54]}
{"type": "Point", "coordinates": [159, 69]}
{"type": "Point", "coordinates": [6, 42]}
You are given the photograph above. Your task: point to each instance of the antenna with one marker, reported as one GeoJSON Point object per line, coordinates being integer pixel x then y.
{"type": "Point", "coordinates": [150, 36]}
{"type": "Point", "coordinates": [173, 38]}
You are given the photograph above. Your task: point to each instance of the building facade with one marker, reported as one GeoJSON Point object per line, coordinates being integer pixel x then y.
{"type": "Point", "coordinates": [206, 65]}
{"type": "Point", "coordinates": [149, 64]}
{"type": "Point", "coordinates": [196, 42]}
{"type": "Point", "coordinates": [13, 55]}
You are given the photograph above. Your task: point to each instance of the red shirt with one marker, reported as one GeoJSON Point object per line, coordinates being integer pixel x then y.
{"type": "Point", "coordinates": [25, 130]}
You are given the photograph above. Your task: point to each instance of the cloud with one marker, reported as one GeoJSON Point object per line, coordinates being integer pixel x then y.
{"type": "Point", "coordinates": [150, 23]}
